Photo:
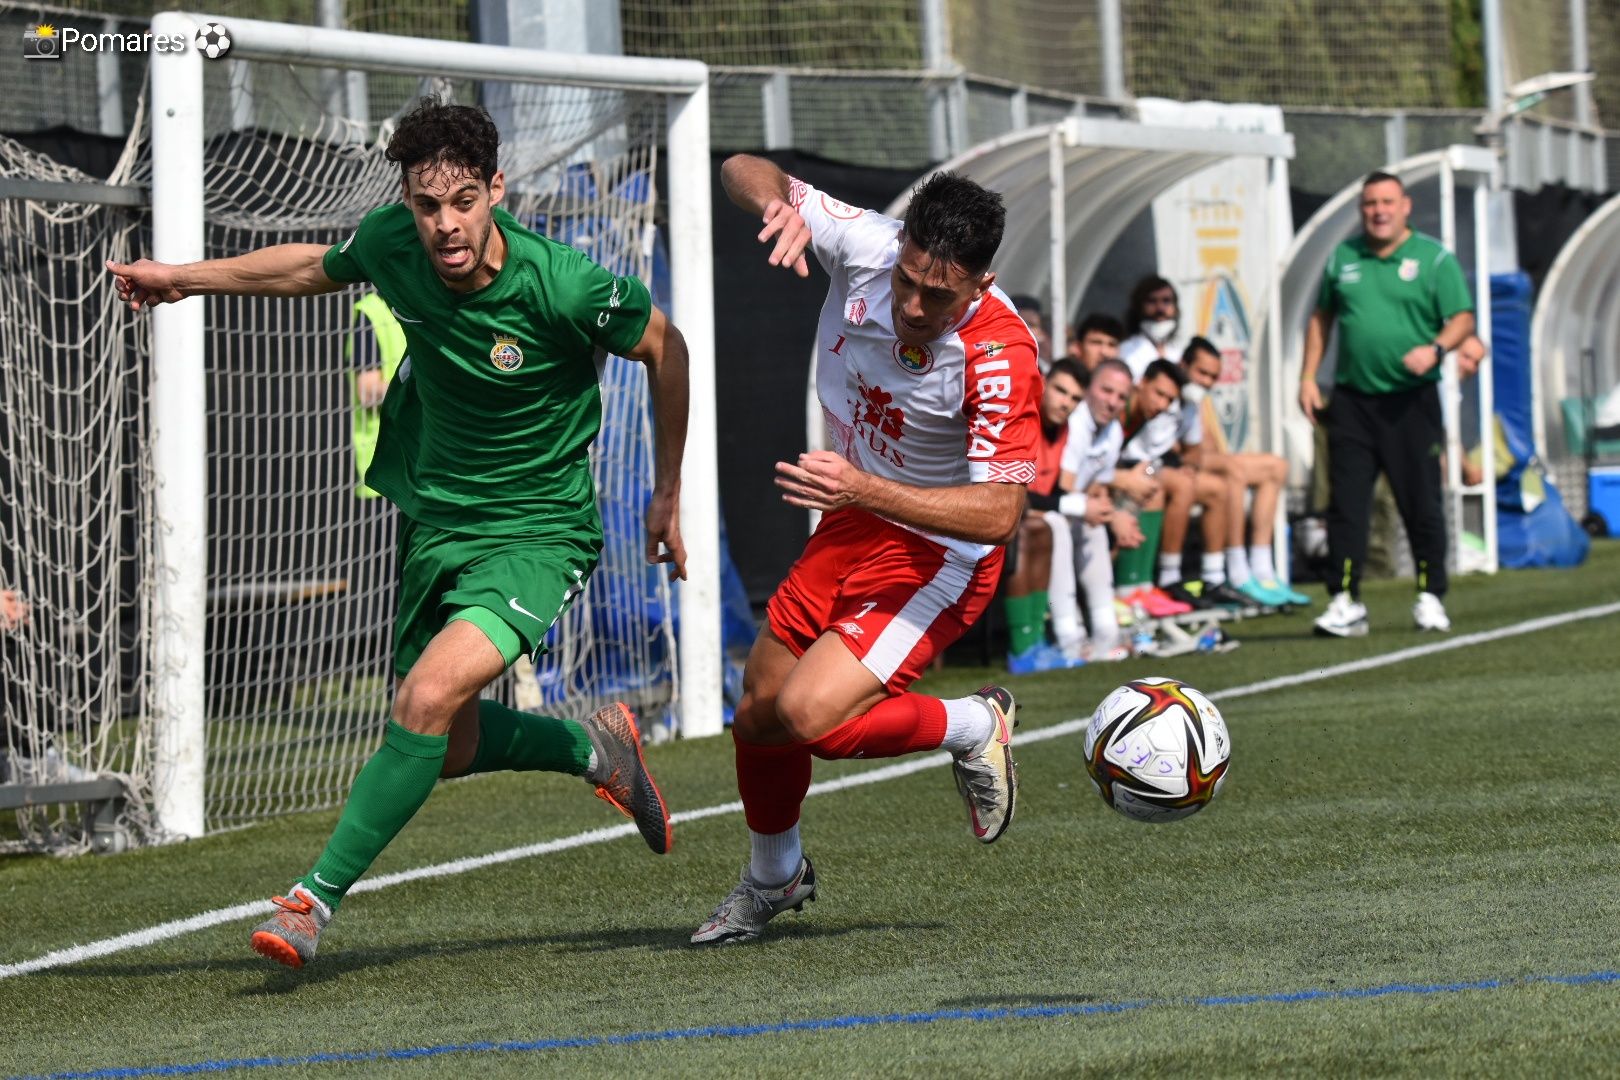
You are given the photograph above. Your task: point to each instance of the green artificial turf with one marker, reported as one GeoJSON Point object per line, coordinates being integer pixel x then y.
{"type": "Point", "coordinates": [1446, 819]}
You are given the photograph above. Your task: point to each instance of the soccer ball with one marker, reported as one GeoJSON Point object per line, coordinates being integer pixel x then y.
{"type": "Point", "coordinates": [213, 40]}
{"type": "Point", "coordinates": [1157, 750]}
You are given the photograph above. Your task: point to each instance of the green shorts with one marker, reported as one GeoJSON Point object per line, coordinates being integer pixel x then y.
{"type": "Point", "coordinates": [510, 587]}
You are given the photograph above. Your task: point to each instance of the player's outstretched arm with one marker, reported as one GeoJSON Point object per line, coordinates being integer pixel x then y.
{"type": "Point", "coordinates": [987, 513]}
{"type": "Point", "coordinates": [281, 270]}
{"type": "Point", "coordinates": [760, 187]}
{"type": "Point", "coordinates": [663, 350]}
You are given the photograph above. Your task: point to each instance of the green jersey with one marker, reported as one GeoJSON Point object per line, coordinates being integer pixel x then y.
{"type": "Point", "coordinates": [488, 422]}
{"type": "Point", "coordinates": [1387, 306]}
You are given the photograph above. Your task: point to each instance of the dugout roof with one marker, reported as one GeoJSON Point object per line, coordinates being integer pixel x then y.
{"type": "Point", "coordinates": [1074, 186]}
{"type": "Point", "coordinates": [1578, 310]}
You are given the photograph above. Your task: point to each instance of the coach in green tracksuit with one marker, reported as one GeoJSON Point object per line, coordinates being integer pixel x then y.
{"type": "Point", "coordinates": [1401, 304]}
{"type": "Point", "coordinates": [484, 448]}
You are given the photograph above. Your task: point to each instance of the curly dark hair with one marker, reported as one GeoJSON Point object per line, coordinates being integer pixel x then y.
{"type": "Point", "coordinates": [952, 218]}
{"type": "Point", "coordinates": [1144, 289]}
{"type": "Point", "coordinates": [438, 133]}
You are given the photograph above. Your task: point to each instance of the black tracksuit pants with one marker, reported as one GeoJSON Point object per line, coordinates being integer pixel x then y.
{"type": "Point", "coordinates": [1400, 434]}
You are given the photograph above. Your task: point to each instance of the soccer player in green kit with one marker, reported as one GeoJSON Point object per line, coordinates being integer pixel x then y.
{"type": "Point", "coordinates": [483, 448]}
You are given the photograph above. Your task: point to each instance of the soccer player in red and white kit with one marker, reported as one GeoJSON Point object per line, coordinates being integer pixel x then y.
{"type": "Point", "coordinates": [929, 386]}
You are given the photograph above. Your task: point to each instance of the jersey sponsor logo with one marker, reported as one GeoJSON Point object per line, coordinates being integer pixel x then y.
{"type": "Point", "coordinates": [1349, 273]}
{"type": "Point", "coordinates": [879, 413]}
{"type": "Point", "coordinates": [505, 355]}
{"type": "Point", "coordinates": [838, 208]}
{"type": "Point", "coordinates": [856, 314]}
{"type": "Point", "coordinates": [878, 420]}
{"type": "Point", "coordinates": [349, 241]}
{"type": "Point", "coordinates": [614, 299]}
{"type": "Point", "coordinates": [852, 629]}
{"type": "Point", "coordinates": [1408, 270]}
{"type": "Point", "coordinates": [993, 391]}
{"type": "Point", "coordinates": [989, 348]}
{"type": "Point", "coordinates": [796, 192]}
{"type": "Point", "coordinates": [917, 359]}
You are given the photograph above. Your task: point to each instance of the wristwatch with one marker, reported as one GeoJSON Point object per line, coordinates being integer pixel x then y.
{"type": "Point", "coordinates": [1439, 352]}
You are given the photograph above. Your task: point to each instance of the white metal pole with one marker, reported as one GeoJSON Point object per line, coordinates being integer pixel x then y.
{"type": "Point", "coordinates": [1495, 68]}
{"type": "Point", "coordinates": [1450, 397]}
{"type": "Point", "coordinates": [179, 438]}
{"type": "Point", "coordinates": [1485, 389]}
{"type": "Point", "coordinates": [692, 281]}
{"type": "Point", "coordinates": [936, 61]}
{"type": "Point", "coordinates": [1057, 242]}
{"type": "Point", "coordinates": [1111, 40]}
{"type": "Point", "coordinates": [1580, 59]}
{"type": "Point", "coordinates": [1276, 365]}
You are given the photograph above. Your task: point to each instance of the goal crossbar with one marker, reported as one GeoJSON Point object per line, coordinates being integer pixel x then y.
{"type": "Point", "coordinates": [253, 39]}
{"type": "Point", "coordinates": [179, 445]}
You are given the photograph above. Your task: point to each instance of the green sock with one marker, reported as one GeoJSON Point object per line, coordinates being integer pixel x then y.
{"type": "Point", "coordinates": [1134, 566]}
{"type": "Point", "coordinates": [1026, 620]}
{"type": "Point", "coordinates": [509, 739]}
{"type": "Point", "coordinates": [389, 790]}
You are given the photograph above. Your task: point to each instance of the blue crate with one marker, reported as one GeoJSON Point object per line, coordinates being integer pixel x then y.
{"type": "Point", "coordinates": [1603, 495]}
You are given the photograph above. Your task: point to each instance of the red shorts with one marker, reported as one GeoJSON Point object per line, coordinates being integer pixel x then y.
{"type": "Point", "coordinates": [896, 598]}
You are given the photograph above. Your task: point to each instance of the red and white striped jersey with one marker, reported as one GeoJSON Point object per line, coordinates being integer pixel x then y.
{"type": "Point", "coordinates": [962, 409]}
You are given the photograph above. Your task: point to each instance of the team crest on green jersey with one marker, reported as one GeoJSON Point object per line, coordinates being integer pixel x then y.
{"type": "Point", "coordinates": [506, 355]}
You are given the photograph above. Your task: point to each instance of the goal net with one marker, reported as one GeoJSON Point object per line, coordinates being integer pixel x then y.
{"type": "Point", "coordinates": [76, 554]}
{"type": "Point", "coordinates": [300, 584]}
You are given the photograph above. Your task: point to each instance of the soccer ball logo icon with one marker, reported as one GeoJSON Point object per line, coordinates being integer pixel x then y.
{"type": "Point", "coordinates": [213, 40]}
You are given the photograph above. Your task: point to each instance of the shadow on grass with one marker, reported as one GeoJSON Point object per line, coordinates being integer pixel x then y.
{"type": "Point", "coordinates": [336, 964]}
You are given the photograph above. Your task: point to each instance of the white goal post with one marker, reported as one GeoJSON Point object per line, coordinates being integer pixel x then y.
{"type": "Point", "coordinates": [179, 389]}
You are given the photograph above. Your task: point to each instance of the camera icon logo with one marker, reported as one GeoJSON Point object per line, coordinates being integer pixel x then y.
{"type": "Point", "coordinates": [41, 43]}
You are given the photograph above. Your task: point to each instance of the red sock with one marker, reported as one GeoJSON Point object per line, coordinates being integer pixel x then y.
{"type": "Point", "coordinates": [773, 781]}
{"type": "Point", "coordinates": [900, 725]}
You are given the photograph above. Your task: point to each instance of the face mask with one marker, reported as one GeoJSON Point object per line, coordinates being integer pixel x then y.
{"type": "Point", "coordinates": [1159, 329]}
{"type": "Point", "coordinates": [1193, 394]}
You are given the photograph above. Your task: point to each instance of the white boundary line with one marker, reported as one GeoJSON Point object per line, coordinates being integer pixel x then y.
{"type": "Point", "coordinates": [162, 932]}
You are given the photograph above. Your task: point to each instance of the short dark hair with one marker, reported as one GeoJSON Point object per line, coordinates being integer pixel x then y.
{"type": "Point", "coordinates": [1113, 363]}
{"type": "Point", "coordinates": [1102, 324]}
{"type": "Point", "coordinates": [1379, 176]}
{"type": "Point", "coordinates": [1198, 344]}
{"type": "Point", "coordinates": [952, 218]}
{"type": "Point", "coordinates": [1145, 288]}
{"type": "Point", "coordinates": [1164, 367]}
{"type": "Point", "coordinates": [1064, 366]}
{"type": "Point", "coordinates": [1025, 302]}
{"type": "Point", "coordinates": [435, 132]}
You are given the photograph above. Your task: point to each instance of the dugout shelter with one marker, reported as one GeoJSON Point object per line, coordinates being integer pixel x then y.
{"type": "Point", "coordinates": [1575, 335]}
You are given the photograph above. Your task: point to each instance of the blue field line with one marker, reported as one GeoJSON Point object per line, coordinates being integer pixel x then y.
{"type": "Point", "coordinates": [836, 1023]}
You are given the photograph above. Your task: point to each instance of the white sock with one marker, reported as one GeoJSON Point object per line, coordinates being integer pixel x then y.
{"type": "Point", "coordinates": [968, 723]}
{"type": "Point", "coordinates": [1237, 566]}
{"type": "Point", "coordinates": [773, 858]}
{"type": "Point", "coordinates": [1213, 568]}
{"type": "Point", "coordinates": [1060, 596]}
{"type": "Point", "coordinates": [1097, 575]}
{"type": "Point", "coordinates": [1260, 564]}
{"type": "Point", "coordinates": [1170, 569]}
